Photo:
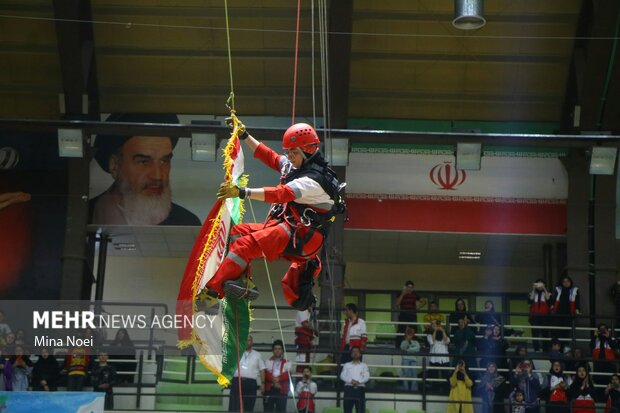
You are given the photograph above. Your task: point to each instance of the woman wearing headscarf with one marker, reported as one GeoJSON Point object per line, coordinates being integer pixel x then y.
{"type": "Point", "coordinates": [565, 305]}
{"type": "Point", "coordinates": [558, 384]}
{"type": "Point", "coordinates": [488, 389]}
{"type": "Point", "coordinates": [459, 400]}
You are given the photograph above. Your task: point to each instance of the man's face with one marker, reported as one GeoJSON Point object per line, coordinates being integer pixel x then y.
{"type": "Point", "coordinates": [277, 351]}
{"type": "Point", "coordinates": [248, 344]}
{"type": "Point", "coordinates": [142, 177]}
{"type": "Point", "coordinates": [103, 357]}
{"type": "Point", "coordinates": [356, 354]}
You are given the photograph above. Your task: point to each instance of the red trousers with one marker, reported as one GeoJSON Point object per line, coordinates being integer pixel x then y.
{"type": "Point", "coordinates": [249, 241]}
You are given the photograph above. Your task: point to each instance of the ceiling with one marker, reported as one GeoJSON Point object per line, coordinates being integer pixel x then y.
{"type": "Point", "coordinates": [360, 246]}
{"type": "Point", "coordinates": [406, 60]}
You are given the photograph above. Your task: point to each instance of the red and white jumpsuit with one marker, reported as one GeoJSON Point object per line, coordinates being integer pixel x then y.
{"type": "Point", "coordinates": [249, 241]}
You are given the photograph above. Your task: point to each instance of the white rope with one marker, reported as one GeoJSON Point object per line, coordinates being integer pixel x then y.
{"type": "Point", "coordinates": [129, 24]}
{"type": "Point", "coordinates": [275, 307]}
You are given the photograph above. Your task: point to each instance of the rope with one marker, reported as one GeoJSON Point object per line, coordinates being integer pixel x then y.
{"type": "Point", "coordinates": [275, 307]}
{"type": "Point", "coordinates": [296, 60]}
{"type": "Point", "coordinates": [238, 361]}
{"type": "Point", "coordinates": [313, 83]}
{"type": "Point", "coordinates": [231, 98]}
{"type": "Point", "coordinates": [129, 25]}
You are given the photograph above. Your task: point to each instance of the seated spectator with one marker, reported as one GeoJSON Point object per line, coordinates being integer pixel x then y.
{"type": "Point", "coordinates": [77, 362]}
{"type": "Point", "coordinates": [574, 359]}
{"type": "Point", "coordinates": [22, 368]}
{"type": "Point", "coordinates": [557, 385]}
{"type": "Point", "coordinates": [528, 382]}
{"type": "Point", "coordinates": [438, 356]}
{"type": "Point", "coordinates": [6, 372]}
{"type": "Point", "coordinates": [494, 349]}
{"type": "Point", "coordinates": [555, 352]}
{"type": "Point", "coordinates": [460, 400]}
{"type": "Point", "coordinates": [123, 349]}
{"type": "Point", "coordinates": [103, 378]}
{"type": "Point", "coordinates": [305, 391]}
{"type": "Point", "coordinates": [612, 393]}
{"type": "Point", "coordinates": [460, 311]}
{"type": "Point", "coordinates": [411, 347]}
{"type": "Point", "coordinates": [432, 315]}
{"type": "Point", "coordinates": [582, 392]}
{"type": "Point", "coordinates": [489, 317]}
{"type": "Point", "coordinates": [45, 372]}
{"type": "Point", "coordinates": [464, 341]}
{"type": "Point", "coordinates": [603, 347]}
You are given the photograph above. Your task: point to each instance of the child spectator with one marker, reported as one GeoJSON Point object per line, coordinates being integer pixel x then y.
{"type": "Point", "coordinates": [460, 400]}
{"type": "Point", "coordinates": [22, 368]}
{"type": "Point", "coordinates": [517, 401]}
{"type": "Point", "coordinates": [411, 347]}
{"type": "Point", "coordinates": [103, 378]}
{"type": "Point", "coordinates": [432, 315]}
{"type": "Point", "coordinates": [305, 391]}
{"type": "Point", "coordinates": [489, 388]}
{"type": "Point", "coordinates": [45, 372]}
{"type": "Point", "coordinates": [76, 368]}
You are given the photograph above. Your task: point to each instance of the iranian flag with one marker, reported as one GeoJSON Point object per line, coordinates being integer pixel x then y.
{"type": "Point", "coordinates": [417, 188]}
{"type": "Point", "coordinates": [216, 339]}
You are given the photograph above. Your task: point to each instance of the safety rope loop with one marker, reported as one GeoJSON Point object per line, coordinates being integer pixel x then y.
{"type": "Point", "coordinates": [231, 97]}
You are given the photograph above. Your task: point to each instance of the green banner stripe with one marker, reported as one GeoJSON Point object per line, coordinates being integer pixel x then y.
{"type": "Point", "coordinates": [488, 150]}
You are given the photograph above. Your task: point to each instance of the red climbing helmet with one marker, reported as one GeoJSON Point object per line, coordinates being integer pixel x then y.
{"type": "Point", "coordinates": [301, 135]}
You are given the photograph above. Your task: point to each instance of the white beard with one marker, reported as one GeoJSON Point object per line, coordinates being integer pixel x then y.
{"type": "Point", "coordinates": [145, 209]}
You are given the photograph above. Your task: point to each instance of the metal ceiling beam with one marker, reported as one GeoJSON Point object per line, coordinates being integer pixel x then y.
{"type": "Point", "coordinates": [340, 21]}
{"type": "Point", "coordinates": [354, 135]}
{"type": "Point", "coordinates": [602, 21]}
{"type": "Point", "coordinates": [76, 50]}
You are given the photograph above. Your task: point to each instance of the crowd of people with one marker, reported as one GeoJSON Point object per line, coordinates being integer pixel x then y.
{"type": "Point", "coordinates": [465, 361]}
{"type": "Point", "coordinates": [80, 367]}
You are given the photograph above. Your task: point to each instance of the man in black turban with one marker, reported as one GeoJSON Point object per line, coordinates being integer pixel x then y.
{"type": "Point", "coordinates": [140, 166]}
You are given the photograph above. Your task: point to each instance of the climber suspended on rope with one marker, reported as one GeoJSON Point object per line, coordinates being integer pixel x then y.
{"type": "Point", "coordinates": [304, 205]}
